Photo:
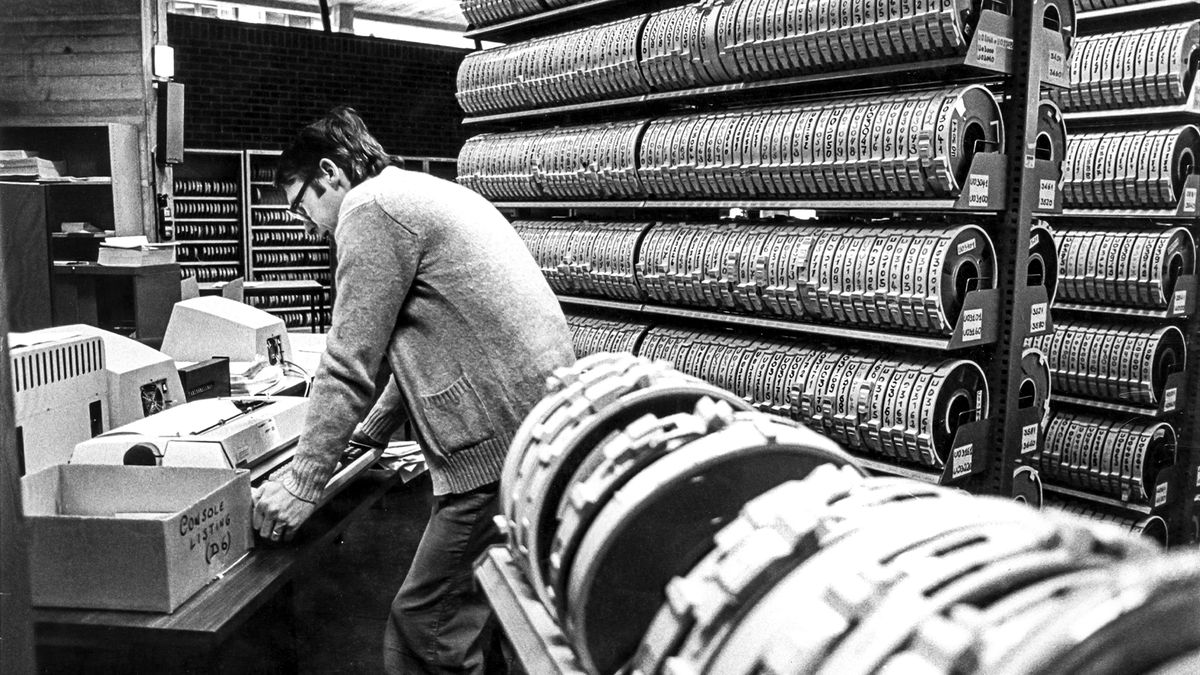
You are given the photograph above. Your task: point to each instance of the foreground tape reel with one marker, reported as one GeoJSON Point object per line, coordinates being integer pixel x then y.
{"type": "Point", "coordinates": [593, 335]}
{"type": "Point", "coordinates": [662, 521]}
{"type": "Point", "coordinates": [907, 410]}
{"type": "Point", "coordinates": [1140, 68]}
{"type": "Point", "coordinates": [922, 146]}
{"type": "Point", "coordinates": [856, 603]}
{"type": "Point", "coordinates": [1126, 619]}
{"type": "Point", "coordinates": [606, 398]}
{"type": "Point", "coordinates": [1125, 268]}
{"type": "Point", "coordinates": [773, 534]}
{"type": "Point", "coordinates": [1045, 263]}
{"type": "Point", "coordinates": [1142, 169]}
{"type": "Point", "coordinates": [1117, 457]}
{"type": "Point", "coordinates": [1152, 527]}
{"type": "Point", "coordinates": [1116, 362]}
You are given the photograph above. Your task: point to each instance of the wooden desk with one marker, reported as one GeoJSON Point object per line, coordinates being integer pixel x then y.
{"type": "Point", "coordinates": [198, 627]}
{"type": "Point", "coordinates": [109, 296]}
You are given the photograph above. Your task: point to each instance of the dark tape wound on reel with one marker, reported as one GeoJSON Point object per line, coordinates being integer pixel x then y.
{"type": "Point", "coordinates": [592, 413]}
{"type": "Point", "coordinates": [644, 535]}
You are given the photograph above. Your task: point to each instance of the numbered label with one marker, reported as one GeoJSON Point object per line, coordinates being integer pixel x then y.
{"type": "Point", "coordinates": [1046, 195]}
{"type": "Point", "coordinates": [962, 461]}
{"type": "Point", "coordinates": [1037, 317]}
{"type": "Point", "coordinates": [978, 190]}
{"type": "Point", "coordinates": [972, 325]}
{"type": "Point", "coordinates": [1029, 439]}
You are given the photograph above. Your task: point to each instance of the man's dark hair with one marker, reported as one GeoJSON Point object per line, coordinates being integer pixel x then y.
{"type": "Point", "coordinates": [342, 137]}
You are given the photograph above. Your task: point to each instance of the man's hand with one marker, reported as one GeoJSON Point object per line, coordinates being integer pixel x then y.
{"type": "Point", "coordinates": [277, 512]}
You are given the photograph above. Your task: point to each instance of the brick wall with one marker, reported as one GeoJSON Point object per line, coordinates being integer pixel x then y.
{"type": "Point", "coordinates": [251, 86]}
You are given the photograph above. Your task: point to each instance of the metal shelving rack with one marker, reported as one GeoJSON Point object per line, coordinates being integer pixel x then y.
{"type": "Point", "coordinates": [215, 239]}
{"type": "Point", "coordinates": [992, 458]}
{"type": "Point", "coordinates": [1178, 506]}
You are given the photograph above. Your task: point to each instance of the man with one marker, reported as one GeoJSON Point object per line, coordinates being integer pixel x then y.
{"type": "Point", "coordinates": [431, 277]}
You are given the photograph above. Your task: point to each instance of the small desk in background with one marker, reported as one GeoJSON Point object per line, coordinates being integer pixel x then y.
{"type": "Point", "coordinates": [121, 299]}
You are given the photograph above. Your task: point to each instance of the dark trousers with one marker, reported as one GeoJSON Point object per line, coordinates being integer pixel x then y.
{"type": "Point", "coordinates": [440, 621]}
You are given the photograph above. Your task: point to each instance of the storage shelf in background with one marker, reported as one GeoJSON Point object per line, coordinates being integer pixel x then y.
{"type": "Point", "coordinates": [75, 181]}
{"type": "Point", "coordinates": [202, 242]}
{"type": "Point", "coordinates": [1126, 507]}
{"type": "Point", "coordinates": [205, 263]}
{"type": "Point", "coordinates": [270, 207]}
{"type": "Point", "coordinates": [1156, 12]}
{"type": "Point", "coordinates": [1173, 391]}
{"type": "Point", "coordinates": [496, 31]}
{"type": "Point", "coordinates": [298, 247]}
{"type": "Point", "coordinates": [278, 227]}
{"type": "Point", "coordinates": [291, 268]}
{"type": "Point", "coordinates": [231, 219]}
{"type": "Point", "coordinates": [1185, 290]}
{"type": "Point", "coordinates": [193, 198]}
{"type": "Point", "coordinates": [932, 476]}
{"type": "Point", "coordinates": [302, 308]}
{"type": "Point", "coordinates": [985, 300]}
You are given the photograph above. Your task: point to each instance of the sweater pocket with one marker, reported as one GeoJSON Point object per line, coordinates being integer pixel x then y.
{"type": "Point", "coordinates": [456, 417]}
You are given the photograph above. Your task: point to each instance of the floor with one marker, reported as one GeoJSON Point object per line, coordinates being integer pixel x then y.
{"type": "Point", "coordinates": [342, 604]}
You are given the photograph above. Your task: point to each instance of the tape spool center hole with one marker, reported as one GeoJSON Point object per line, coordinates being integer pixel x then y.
{"type": "Point", "coordinates": [1027, 394]}
{"type": "Point", "coordinates": [1051, 19]}
{"type": "Point", "coordinates": [1174, 271]}
{"type": "Point", "coordinates": [1045, 148]}
{"type": "Point", "coordinates": [1187, 164]}
{"type": "Point", "coordinates": [956, 412]}
{"type": "Point", "coordinates": [1035, 273]}
{"type": "Point", "coordinates": [973, 140]}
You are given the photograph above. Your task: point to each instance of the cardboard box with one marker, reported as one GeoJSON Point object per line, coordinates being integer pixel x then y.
{"type": "Point", "coordinates": [132, 537]}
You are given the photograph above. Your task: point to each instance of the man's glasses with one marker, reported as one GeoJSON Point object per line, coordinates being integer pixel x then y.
{"type": "Point", "coordinates": [295, 210]}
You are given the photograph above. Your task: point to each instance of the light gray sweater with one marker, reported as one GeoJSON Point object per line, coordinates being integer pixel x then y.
{"type": "Point", "coordinates": [431, 277]}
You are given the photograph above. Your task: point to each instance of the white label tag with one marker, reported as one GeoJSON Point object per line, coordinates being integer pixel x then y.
{"type": "Point", "coordinates": [990, 45]}
{"type": "Point", "coordinates": [1160, 494]}
{"type": "Point", "coordinates": [1057, 64]}
{"type": "Point", "coordinates": [1033, 240]}
{"type": "Point", "coordinates": [1169, 398]}
{"type": "Point", "coordinates": [1037, 318]}
{"type": "Point", "coordinates": [1189, 199]}
{"type": "Point", "coordinates": [978, 191]}
{"type": "Point", "coordinates": [962, 461]}
{"type": "Point", "coordinates": [972, 325]}
{"type": "Point", "coordinates": [967, 246]}
{"type": "Point", "coordinates": [1046, 194]}
{"type": "Point", "coordinates": [1029, 438]}
{"type": "Point", "coordinates": [1198, 476]}
{"type": "Point", "coordinates": [1180, 302]}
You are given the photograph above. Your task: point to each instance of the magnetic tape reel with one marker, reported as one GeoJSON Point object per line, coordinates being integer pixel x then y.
{"type": "Point", "coordinates": [1108, 456]}
{"type": "Point", "coordinates": [1129, 169]}
{"type": "Point", "coordinates": [1120, 363]}
{"type": "Point", "coordinates": [662, 520]}
{"type": "Point", "coordinates": [608, 395]}
{"type": "Point", "coordinates": [864, 598]}
{"type": "Point", "coordinates": [773, 534]}
{"type": "Point", "coordinates": [592, 335]}
{"type": "Point", "coordinates": [1141, 270]}
{"type": "Point", "coordinates": [907, 410]}
{"type": "Point", "coordinates": [1129, 618]}
{"type": "Point", "coordinates": [1140, 68]}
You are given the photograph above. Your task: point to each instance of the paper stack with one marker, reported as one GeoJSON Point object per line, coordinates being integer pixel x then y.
{"type": "Point", "coordinates": [134, 251]}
